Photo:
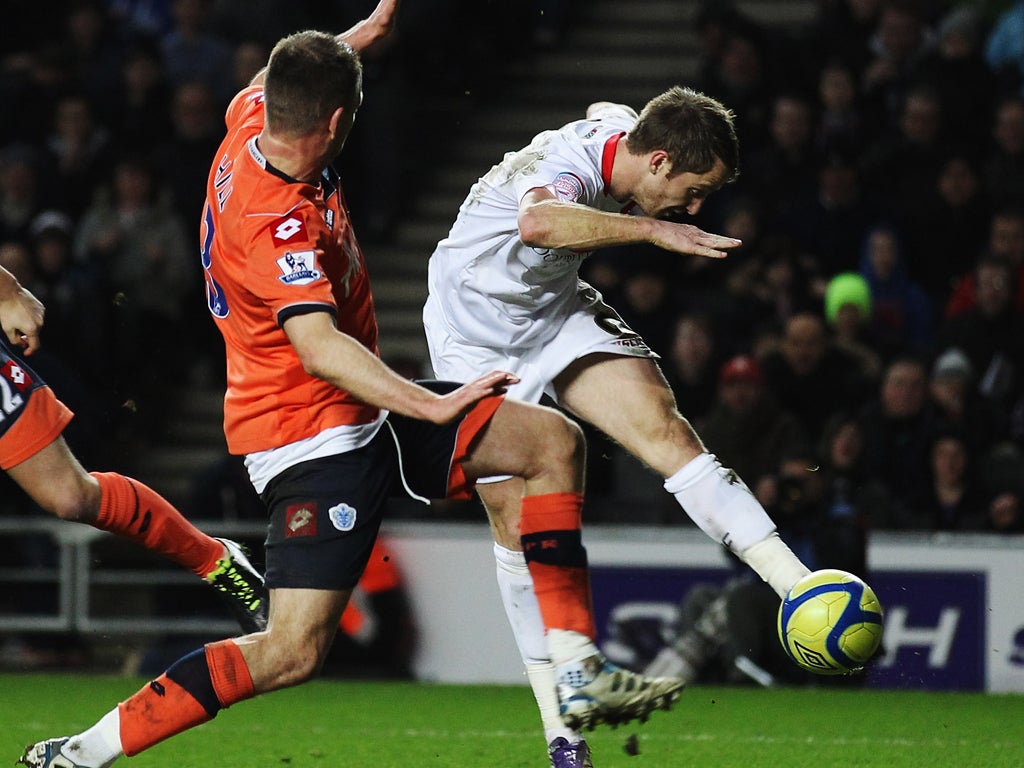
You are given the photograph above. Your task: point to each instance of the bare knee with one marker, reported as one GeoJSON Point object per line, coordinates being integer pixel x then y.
{"type": "Point", "coordinates": [562, 443]}
{"type": "Point", "coordinates": [77, 500]}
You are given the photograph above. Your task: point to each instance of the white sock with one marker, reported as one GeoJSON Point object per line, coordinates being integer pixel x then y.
{"type": "Point", "coordinates": [100, 745]}
{"type": "Point", "coordinates": [521, 605]}
{"type": "Point", "coordinates": [775, 563]}
{"type": "Point", "coordinates": [545, 691]}
{"type": "Point", "coordinates": [725, 509]}
{"type": "Point", "coordinates": [568, 647]}
{"type": "Point", "coordinates": [523, 614]}
{"type": "Point", "coordinates": [720, 503]}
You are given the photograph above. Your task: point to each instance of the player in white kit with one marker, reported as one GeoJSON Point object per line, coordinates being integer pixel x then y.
{"type": "Point", "coordinates": [504, 292]}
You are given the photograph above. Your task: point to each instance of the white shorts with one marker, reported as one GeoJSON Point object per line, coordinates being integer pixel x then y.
{"type": "Point", "coordinates": [592, 327]}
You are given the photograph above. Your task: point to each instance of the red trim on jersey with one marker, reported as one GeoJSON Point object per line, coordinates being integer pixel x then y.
{"type": "Point", "coordinates": [472, 425]}
{"type": "Point", "coordinates": [42, 422]}
{"type": "Point", "coordinates": [608, 159]}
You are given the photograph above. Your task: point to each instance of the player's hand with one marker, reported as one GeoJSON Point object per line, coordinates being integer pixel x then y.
{"type": "Point", "coordinates": [21, 315]}
{"type": "Point", "coordinates": [458, 402]}
{"type": "Point", "coordinates": [686, 238]}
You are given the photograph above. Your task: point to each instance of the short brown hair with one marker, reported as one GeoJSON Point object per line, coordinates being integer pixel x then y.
{"type": "Point", "coordinates": [693, 128]}
{"type": "Point", "coordinates": [310, 74]}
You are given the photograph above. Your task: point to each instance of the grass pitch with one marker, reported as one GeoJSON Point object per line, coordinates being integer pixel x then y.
{"type": "Point", "coordinates": [330, 724]}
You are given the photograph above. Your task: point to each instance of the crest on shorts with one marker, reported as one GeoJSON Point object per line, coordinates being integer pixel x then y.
{"type": "Point", "coordinates": [298, 268]}
{"type": "Point", "coordinates": [343, 517]}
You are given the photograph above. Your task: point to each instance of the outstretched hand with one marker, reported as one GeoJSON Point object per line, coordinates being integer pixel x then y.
{"type": "Point", "coordinates": [21, 315]}
{"type": "Point", "coordinates": [460, 401]}
{"type": "Point", "coordinates": [686, 238]}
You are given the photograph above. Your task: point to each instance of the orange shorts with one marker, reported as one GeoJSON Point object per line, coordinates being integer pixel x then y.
{"type": "Point", "coordinates": [41, 422]}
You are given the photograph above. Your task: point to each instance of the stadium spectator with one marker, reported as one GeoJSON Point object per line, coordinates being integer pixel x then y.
{"type": "Point", "coordinates": [691, 363]}
{"type": "Point", "coordinates": [1005, 243]}
{"type": "Point", "coordinates": [898, 432]}
{"type": "Point", "coordinates": [809, 376]}
{"type": "Point", "coordinates": [1004, 48]}
{"type": "Point", "coordinates": [22, 193]}
{"type": "Point", "coordinates": [991, 334]}
{"type": "Point", "coordinates": [829, 223]}
{"type": "Point", "coordinates": [746, 428]}
{"type": "Point", "coordinates": [958, 407]}
{"type": "Point", "coordinates": [902, 317]}
{"type": "Point", "coordinates": [193, 52]}
{"type": "Point", "coordinates": [849, 310]}
{"type": "Point", "coordinates": [137, 107]}
{"type": "Point", "coordinates": [79, 153]}
{"type": "Point", "coordinates": [1003, 164]}
{"type": "Point", "coordinates": [955, 497]}
{"type": "Point", "coordinates": [948, 224]}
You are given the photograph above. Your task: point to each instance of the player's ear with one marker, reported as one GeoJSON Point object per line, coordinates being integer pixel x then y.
{"type": "Point", "coordinates": [659, 161]}
{"type": "Point", "coordinates": [336, 123]}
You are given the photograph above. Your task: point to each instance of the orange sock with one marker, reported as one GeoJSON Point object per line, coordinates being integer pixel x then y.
{"type": "Point", "coordinates": [191, 692]}
{"type": "Point", "coordinates": [553, 548]}
{"type": "Point", "coordinates": [133, 510]}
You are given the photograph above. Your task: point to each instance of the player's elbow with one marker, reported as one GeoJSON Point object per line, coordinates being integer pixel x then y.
{"type": "Point", "coordinates": [533, 228]}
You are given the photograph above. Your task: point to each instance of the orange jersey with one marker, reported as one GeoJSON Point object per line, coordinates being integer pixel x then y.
{"type": "Point", "coordinates": [273, 247]}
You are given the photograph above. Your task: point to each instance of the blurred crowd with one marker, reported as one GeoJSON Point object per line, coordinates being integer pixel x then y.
{"type": "Point", "coordinates": [870, 326]}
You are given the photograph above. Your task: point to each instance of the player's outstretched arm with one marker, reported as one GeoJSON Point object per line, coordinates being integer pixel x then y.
{"type": "Point", "coordinates": [362, 34]}
{"type": "Point", "coordinates": [336, 357]}
{"type": "Point", "coordinates": [547, 222]}
{"type": "Point", "coordinates": [21, 313]}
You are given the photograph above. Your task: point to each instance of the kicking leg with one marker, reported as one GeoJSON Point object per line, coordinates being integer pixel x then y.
{"type": "Point", "coordinates": [647, 423]}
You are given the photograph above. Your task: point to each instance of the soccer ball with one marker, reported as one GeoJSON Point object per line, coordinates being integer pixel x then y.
{"type": "Point", "coordinates": [830, 623]}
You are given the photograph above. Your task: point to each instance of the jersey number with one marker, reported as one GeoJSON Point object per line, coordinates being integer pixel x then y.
{"type": "Point", "coordinates": [10, 400]}
{"type": "Point", "coordinates": [216, 299]}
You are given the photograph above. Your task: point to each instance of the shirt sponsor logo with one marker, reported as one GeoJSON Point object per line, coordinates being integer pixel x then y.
{"type": "Point", "coordinates": [287, 229]}
{"type": "Point", "coordinates": [300, 520]}
{"type": "Point", "coordinates": [343, 517]}
{"type": "Point", "coordinates": [298, 268]}
{"type": "Point", "coordinates": [16, 375]}
{"type": "Point", "coordinates": [568, 186]}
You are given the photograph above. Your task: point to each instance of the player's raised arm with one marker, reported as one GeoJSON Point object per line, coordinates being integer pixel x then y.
{"type": "Point", "coordinates": [21, 313]}
{"type": "Point", "coordinates": [336, 357]}
{"type": "Point", "coordinates": [378, 25]}
{"type": "Point", "coordinates": [363, 34]}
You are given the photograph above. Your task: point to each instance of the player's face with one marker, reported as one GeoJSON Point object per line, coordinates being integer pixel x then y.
{"type": "Point", "coordinates": [670, 196]}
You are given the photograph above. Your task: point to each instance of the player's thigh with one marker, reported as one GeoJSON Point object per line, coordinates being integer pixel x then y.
{"type": "Point", "coordinates": [628, 399]}
{"type": "Point", "coordinates": [324, 515]}
{"type": "Point", "coordinates": [524, 439]}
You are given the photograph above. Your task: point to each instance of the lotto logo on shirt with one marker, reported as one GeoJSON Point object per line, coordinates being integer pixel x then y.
{"type": "Point", "coordinates": [16, 375]}
{"type": "Point", "coordinates": [300, 520]}
{"type": "Point", "coordinates": [286, 230]}
{"type": "Point", "coordinates": [298, 268]}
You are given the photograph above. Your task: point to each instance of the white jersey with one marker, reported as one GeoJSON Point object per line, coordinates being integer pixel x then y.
{"type": "Point", "coordinates": [486, 286]}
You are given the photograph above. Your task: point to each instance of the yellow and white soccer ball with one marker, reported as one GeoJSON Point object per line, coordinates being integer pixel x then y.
{"type": "Point", "coordinates": [830, 623]}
